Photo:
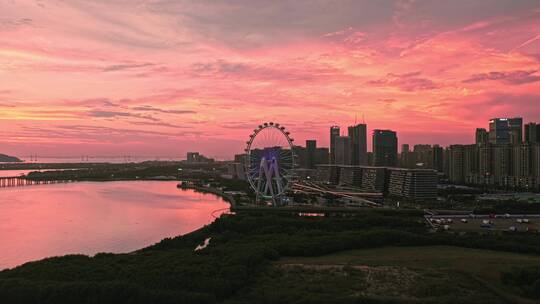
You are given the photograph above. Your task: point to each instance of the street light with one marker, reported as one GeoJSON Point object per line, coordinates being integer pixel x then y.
{"type": "Point", "coordinates": [179, 171]}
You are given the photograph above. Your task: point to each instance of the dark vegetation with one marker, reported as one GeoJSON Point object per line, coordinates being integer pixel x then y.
{"type": "Point", "coordinates": [130, 171]}
{"type": "Point", "coordinates": [525, 280]}
{"type": "Point", "coordinates": [45, 166]}
{"type": "Point", "coordinates": [509, 206]}
{"type": "Point", "coordinates": [226, 184]}
{"type": "Point", "coordinates": [238, 266]}
{"type": "Point", "coordinates": [9, 159]}
{"type": "Point", "coordinates": [458, 191]}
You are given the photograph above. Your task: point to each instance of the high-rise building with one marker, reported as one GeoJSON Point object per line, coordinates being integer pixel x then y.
{"type": "Point", "coordinates": [515, 126]}
{"type": "Point", "coordinates": [438, 158]}
{"type": "Point", "coordinates": [423, 156]}
{"type": "Point", "coordinates": [310, 156]}
{"type": "Point", "coordinates": [311, 144]}
{"type": "Point", "coordinates": [471, 161]}
{"type": "Point", "coordinates": [499, 131]}
{"type": "Point", "coordinates": [405, 148]}
{"type": "Point", "coordinates": [501, 163]}
{"type": "Point", "coordinates": [311, 153]}
{"type": "Point", "coordinates": [334, 133]}
{"type": "Point", "coordinates": [532, 133]}
{"type": "Point", "coordinates": [522, 160]}
{"type": "Point", "coordinates": [406, 159]}
{"type": "Point", "coordinates": [522, 176]}
{"type": "Point", "coordinates": [300, 156]}
{"type": "Point", "coordinates": [482, 136]}
{"type": "Point", "coordinates": [342, 150]}
{"type": "Point", "coordinates": [385, 143]}
{"type": "Point", "coordinates": [358, 136]}
{"type": "Point", "coordinates": [506, 130]}
{"type": "Point", "coordinates": [370, 158]}
{"type": "Point", "coordinates": [321, 156]}
{"type": "Point", "coordinates": [456, 164]}
{"type": "Point", "coordinates": [485, 168]}
{"type": "Point", "coordinates": [536, 164]}
{"type": "Point", "coordinates": [446, 161]}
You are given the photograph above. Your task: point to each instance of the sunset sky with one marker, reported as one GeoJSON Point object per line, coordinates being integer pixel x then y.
{"type": "Point", "coordinates": [161, 77]}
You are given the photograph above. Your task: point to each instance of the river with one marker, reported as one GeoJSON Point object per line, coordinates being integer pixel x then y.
{"type": "Point", "coordinates": [90, 217]}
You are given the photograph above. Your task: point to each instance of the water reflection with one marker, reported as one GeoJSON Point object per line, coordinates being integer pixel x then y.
{"type": "Point", "coordinates": [50, 220]}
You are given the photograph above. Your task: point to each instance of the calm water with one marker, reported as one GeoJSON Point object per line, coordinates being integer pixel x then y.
{"type": "Point", "coordinates": [50, 220]}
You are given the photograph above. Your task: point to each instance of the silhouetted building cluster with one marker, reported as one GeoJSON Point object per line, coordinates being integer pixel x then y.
{"type": "Point", "coordinates": [350, 165]}
{"type": "Point", "coordinates": [505, 155]}
{"type": "Point", "coordinates": [197, 158]}
{"type": "Point", "coordinates": [310, 156]}
{"type": "Point", "coordinates": [237, 168]}
{"type": "Point", "coordinates": [501, 157]}
{"type": "Point", "coordinates": [350, 149]}
{"type": "Point", "coordinates": [422, 157]}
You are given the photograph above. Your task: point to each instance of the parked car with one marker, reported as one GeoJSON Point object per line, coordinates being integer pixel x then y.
{"type": "Point", "coordinates": [486, 224]}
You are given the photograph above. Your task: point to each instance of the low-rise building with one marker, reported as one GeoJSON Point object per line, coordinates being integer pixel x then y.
{"type": "Point", "coordinates": [328, 174]}
{"type": "Point", "coordinates": [236, 171]}
{"type": "Point", "coordinates": [414, 184]}
{"type": "Point", "coordinates": [351, 176]}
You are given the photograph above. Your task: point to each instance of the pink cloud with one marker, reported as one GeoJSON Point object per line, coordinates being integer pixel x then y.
{"type": "Point", "coordinates": [160, 76]}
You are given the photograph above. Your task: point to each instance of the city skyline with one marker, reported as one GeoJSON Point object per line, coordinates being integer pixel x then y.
{"type": "Point", "coordinates": [529, 133]}
{"type": "Point", "coordinates": [164, 78]}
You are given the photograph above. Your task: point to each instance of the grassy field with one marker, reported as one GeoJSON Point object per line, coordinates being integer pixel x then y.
{"type": "Point", "coordinates": [469, 270]}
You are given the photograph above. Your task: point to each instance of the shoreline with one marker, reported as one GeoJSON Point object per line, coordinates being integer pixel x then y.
{"type": "Point", "coordinates": [226, 197]}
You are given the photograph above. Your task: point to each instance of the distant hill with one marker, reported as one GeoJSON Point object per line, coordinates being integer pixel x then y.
{"type": "Point", "coordinates": [9, 159]}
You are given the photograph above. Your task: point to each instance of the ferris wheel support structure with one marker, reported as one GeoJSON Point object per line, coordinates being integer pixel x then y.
{"type": "Point", "coordinates": [270, 161]}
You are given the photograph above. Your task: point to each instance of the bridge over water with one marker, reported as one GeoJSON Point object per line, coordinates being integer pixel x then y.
{"type": "Point", "coordinates": [19, 181]}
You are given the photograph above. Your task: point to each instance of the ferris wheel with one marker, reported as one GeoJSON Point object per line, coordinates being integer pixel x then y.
{"type": "Point", "coordinates": [269, 161]}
